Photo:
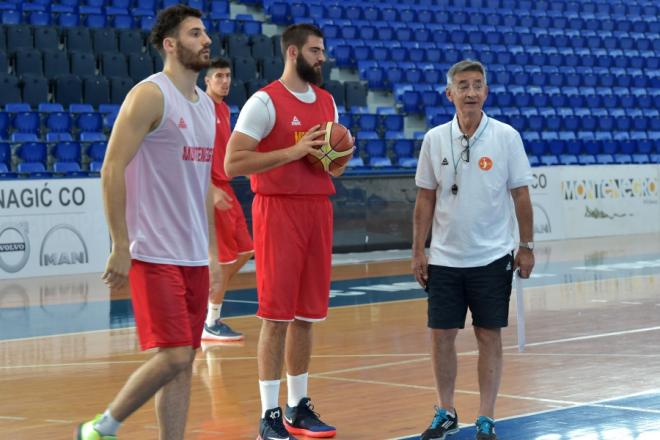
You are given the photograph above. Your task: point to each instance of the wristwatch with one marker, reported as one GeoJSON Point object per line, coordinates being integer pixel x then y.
{"type": "Point", "coordinates": [527, 245]}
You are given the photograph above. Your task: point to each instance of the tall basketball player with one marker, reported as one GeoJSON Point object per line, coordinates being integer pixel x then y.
{"type": "Point", "coordinates": [155, 180]}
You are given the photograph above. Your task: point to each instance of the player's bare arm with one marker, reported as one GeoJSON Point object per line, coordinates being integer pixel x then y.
{"type": "Point", "coordinates": [243, 158]}
{"type": "Point", "coordinates": [422, 220]}
{"type": "Point", "coordinates": [140, 113]}
{"type": "Point", "coordinates": [524, 260]}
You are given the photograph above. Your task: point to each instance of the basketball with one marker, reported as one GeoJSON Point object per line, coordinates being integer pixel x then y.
{"type": "Point", "coordinates": [337, 149]}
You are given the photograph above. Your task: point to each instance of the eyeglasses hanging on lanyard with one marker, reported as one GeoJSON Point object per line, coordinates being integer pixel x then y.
{"type": "Point", "coordinates": [465, 143]}
{"type": "Point", "coordinates": [465, 152]}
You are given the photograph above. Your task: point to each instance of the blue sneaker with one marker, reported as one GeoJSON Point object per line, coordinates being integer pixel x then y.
{"type": "Point", "coordinates": [221, 332]}
{"type": "Point", "coordinates": [302, 419]}
{"type": "Point", "coordinates": [442, 425]}
{"type": "Point", "coordinates": [485, 428]}
{"type": "Point", "coordinates": [271, 427]}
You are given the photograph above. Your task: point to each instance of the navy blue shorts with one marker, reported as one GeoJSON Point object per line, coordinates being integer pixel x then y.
{"type": "Point", "coordinates": [486, 290]}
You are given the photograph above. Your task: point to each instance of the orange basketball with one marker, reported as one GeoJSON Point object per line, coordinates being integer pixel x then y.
{"type": "Point", "coordinates": [337, 149]}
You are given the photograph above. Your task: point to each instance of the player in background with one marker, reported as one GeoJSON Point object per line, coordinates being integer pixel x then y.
{"type": "Point", "coordinates": [234, 242]}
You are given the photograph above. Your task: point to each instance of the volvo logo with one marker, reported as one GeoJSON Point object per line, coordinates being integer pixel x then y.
{"type": "Point", "coordinates": [63, 244]}
{"type": "Point", "coordinates": [14, 246]}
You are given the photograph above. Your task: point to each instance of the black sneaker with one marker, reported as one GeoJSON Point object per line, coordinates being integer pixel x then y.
{"type": "Point", "coordinates": [302, 419]}
{"type": "Point", "coordinates": [441, 426]}
{"type": "Point", "coordinates": [485, 428]}
{"type": "Point", "coordinates": [271, 427]}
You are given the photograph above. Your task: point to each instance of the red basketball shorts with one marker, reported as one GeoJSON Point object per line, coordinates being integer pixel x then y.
{"type": "Point", "coordinates": [293, 253]}
{"type": "Point", "coordinates": [169, 303]}
{"type": "Point", "coordinates": [231, 230]}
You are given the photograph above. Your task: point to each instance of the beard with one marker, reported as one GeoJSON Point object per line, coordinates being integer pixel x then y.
{"type": "Point", "coordinates": [191, 60]}
{"type": "Point", "coordinates": [307, 72]}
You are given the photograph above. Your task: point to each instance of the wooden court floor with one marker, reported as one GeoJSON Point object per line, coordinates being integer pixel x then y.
{"type": "Point", "coordinates": [592, 329]}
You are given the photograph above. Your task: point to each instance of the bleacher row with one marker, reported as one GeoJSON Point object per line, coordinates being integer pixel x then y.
{"type": "Point", "coordinates": [601, 15]}
{"type": "Point", "coordinates": [119, 14]}
{"type": "Point", "coordinates": [579, 80]}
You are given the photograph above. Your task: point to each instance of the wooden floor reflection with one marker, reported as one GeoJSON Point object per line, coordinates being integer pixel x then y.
{"type": "Point", "coordinates": [587, 340]}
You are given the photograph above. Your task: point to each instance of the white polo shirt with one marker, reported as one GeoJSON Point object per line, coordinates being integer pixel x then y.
{"type": "Point", "coordinates": [476, 225]}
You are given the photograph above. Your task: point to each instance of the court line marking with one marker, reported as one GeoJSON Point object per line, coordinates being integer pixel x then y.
{"type": "Point", "coordinates": [367, 367]}
{"type": "Point", "coordinates": [568, 403]}
{"type": "Point", "coordinates": [527, 288]}
{"type": "Point", "coordinates": [596, 403]}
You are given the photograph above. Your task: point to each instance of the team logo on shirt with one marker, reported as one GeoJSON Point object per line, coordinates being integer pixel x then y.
{"type": "Point", "coordinates": [182, 123]}
{"type": "Point", "coordinates": [445, 161]}
{"type": "Point", "coordinates": [295, 121]}
{"type": "Point", "coordinates": [485, 163]}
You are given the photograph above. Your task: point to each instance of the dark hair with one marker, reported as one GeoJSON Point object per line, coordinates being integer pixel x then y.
{"type": "Point", "coordinates": [218, 63]}
{"type": "Point", "coordinates": [168, 21]}
{"type": "Point", "coordinates": [297, 34]}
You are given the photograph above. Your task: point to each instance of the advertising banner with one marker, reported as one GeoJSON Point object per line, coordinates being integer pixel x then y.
{"type": "Point", "coordinates": [545, 195]}
{"type": "Point", "coordinates": [610, 200]}
{"type": "Point", "coordinates": [52, 227]}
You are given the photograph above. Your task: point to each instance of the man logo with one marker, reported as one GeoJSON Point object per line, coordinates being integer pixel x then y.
{"type": "Point", "coordinates": [14, 246]}
{"type": "Point", "coordinates": [63, 244]}
{"type": "Point", "coordinates": [541, 220]}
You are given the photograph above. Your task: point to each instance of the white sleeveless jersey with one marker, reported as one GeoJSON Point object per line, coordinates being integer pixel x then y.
{"type": "Point", "coordinates": [167, 181]}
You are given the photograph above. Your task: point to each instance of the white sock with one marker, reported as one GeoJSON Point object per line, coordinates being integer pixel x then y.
{"type": "Point", "coordinates": [107, 425]}
{"type": "Point", "coordinates": [296, 388]}
{"type": "Point", "coordinates": [270, 393]}
{"type": "Point", "coordinates": [213, 314]}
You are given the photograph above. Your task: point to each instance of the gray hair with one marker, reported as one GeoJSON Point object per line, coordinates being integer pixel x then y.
{"type": "Point", "coordinates": [465, 66]}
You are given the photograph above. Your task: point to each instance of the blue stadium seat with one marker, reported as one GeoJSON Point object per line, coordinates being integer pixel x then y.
{"type": "Point", "coordinates": [549, 160]}
{"type": "Point", "coordinates": [29, 62]}
{"type": "Point", "coordinates": [46, 38]}
{"type": "Point", "coordinates": [68, 20]}
{"type": "Point", "coordinates": [27, 122]}
{"type": "Point", "coordinates": [34, 168]}
{"type": "Point", "coordinates": [4, 124]}
{"type": "Point", "coordinates": [336, 89]}
{"type": "Point", "coordinates": [96, 90]}
{"type": "Point", "coordinates": [67, 152]}
{"type": "Point", "coordinates": [78, 39]}
{"type": "Point", "coordinates": [114, 64]}
{"type": "Point", "coordinates": [271, 68]}
{"type": "Point", "coordinates": [237, 93]}
{"type": "Point", "coordinates": [5, 155]}
{"type": "Point", "coordinates": [104, 40]}
{"type": "Point", "coordinates": [356, 94]}
{"type": "Point", "coordinates": [89, 121]}
{"type": "Point", "coordinates": [367, 122]}
{"type": "Point", "coordinates": [58, 137]}
{"type": "Point", "coordinates": [35, 89]}
{"type": "Point", "coordinates": [83, 64]}
{"type": "Point", "coordinates": [32, 152]}
{"type": "Point", "coordinates": [377, 154]}
{"type": "Point", "coordinates": [130, 41]}
{"type": "Point", "coordinates": [244, 68]}
{"type": "Point", "coordinates": [280, 13]}
{"type": "Point", "coordinates": [91, 136]}
{"type": "Point", "coordinates": [140, 66]}
{"type": "Point", "coordinates": [68, 168]}
{"type": "Point", "coordinates": [56, 63]}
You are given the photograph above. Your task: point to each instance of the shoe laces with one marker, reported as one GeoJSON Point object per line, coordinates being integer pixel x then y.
{"type": "Point", "coordinates": [307, 410]}
{"type": "Point", "coordinates": [485, 425]}
{"type": "Point", "coordinates": [440, 416]}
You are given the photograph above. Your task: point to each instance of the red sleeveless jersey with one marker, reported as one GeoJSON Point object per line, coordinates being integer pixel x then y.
{"type": "Point", "coordinates": [293, 118]}
{"type": "Point", "coordinates": [222, 133]}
